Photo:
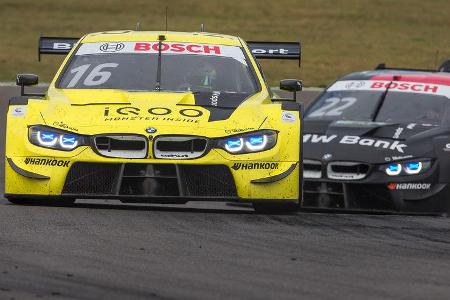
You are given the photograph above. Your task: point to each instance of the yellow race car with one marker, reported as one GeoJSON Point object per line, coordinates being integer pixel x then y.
{"type": "Point", "coordinates": [156, 117]}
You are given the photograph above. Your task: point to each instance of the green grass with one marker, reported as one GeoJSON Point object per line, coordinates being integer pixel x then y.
{"type": "Point", "coordinates": [338, 36]}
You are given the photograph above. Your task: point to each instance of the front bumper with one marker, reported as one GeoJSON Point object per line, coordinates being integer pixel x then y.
{"type": "Point", "coordinates": [161, 181]}
{"type": "Point", "coordinates": [375, 190]}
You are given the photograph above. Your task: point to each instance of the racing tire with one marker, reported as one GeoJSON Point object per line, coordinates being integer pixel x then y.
{"type": "Point", "coordinates": [41, 202]}
{"type": "Point", "coordinates": [275, 208]}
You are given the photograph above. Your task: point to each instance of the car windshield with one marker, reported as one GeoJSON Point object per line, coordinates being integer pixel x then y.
{"type": "Point", "coordinates": [133, 66]}
{"type": "Point", "coordinates": [397, 107]}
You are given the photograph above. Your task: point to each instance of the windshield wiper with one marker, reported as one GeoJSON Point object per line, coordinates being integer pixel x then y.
{"type": "Point", "coordinates": [383, 97]}
{"type": "Point", "coordinates": [158, 71]}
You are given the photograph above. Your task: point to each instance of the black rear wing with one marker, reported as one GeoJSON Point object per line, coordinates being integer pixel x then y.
{"type": "Point", "coordinates": [445, 66]}
{"type": "Point", "coordinates": [261, 50]}
{"type": "Point", "coordinates": [276, 50]}
{"type": "Point", "coordinates": [382, 66]}
{"type": "Point", "coordinates": [55, 45]}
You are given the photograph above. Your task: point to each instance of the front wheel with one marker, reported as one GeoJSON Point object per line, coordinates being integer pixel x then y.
{"type": "Point", "coordinates": [44, 202]}
{"type": "Point", "coordinates": [275, 208]}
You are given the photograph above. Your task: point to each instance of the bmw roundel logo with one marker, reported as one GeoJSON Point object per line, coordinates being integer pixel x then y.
{"type": "Point", "coordinates": [151, 130]}
{"type": "Point", "coordinates": [327, 156]}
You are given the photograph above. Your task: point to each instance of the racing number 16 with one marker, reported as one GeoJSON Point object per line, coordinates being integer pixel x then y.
{"type": "Point", "coordinates": [96, 77]}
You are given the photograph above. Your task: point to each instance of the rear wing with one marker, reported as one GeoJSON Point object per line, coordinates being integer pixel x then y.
{"type": "Point", "coordinates": [261, 50]}
{"type": "Point", "coordinates": [55, 45]}
{"type": "Point", "coordinates": [444, 67]}
{"type": "Point", "coordinates": [276, 50]}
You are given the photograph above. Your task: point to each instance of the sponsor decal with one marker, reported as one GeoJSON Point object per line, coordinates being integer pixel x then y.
{"type": "Point", "coordinates": [447, 147]}
{"type": "Point", "coordinates": [238, 130]}
{"type": "Point", "coordinates": [397, 157]}
{"type": "Point", "coordinates": [46, 162]}
{"type": "Point", "coordinates": [173, 155]}
{"type": "Point", "coordinates": [18, 112]}
{"type": "Point", "coordinates": [112, 47]}
{"type": "Point", "coordinates": [130, 113]}
{"type": "Point", "coordinates": [145, 47]}
{"type": "Point", "coordinates": [405, 86]}
{"type": "Point", "coordinates": [355, 140]}
{"type": "Point", "coordinates": [215, 98]}
{"type": "Point", "coordinates": [62, 125]}
{"type": "Point", "coordinates": [396, 86]}
{"type": "Point", "coordinates": [409, 186]}
{"type": "Point", "coordinates": [255, 166]}
{"type": "Point", "coordinates": [355, 85]}
{"type": "Point", "coordinates": [288, 117]}
{"type": "Point", "coordinates": [270, 51]}
{"type": "Point", "coordinates": [62, 46]}
{"type": "Point", "coordinates": [398, 132]}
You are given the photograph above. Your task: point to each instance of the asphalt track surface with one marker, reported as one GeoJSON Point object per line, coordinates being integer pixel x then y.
{"type": "Point", "coordinates": [108, 250]}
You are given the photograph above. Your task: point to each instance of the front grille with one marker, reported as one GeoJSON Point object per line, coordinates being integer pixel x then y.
{"type": "Point", "coordinates": [347, 170]}
{"type": "Point", "coordinates": [92, 178]}
{"type": "Point", "coordinates": [121, 146]}
{"type": "Point", "coordinates": [312, 168]}
{"type": "Point", "coordinates": [151, 180]}
{"type": "Point", "coordinates": [179, 147]}
{"type": "Point", "coordinates": [215, 180]}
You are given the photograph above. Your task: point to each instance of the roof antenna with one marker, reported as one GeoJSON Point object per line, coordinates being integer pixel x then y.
{"type": "Point", "coordinates": [436, 59]}
{"type": "Point", "coordinates": [202, 28]}
{"type": "Point", "coordinates": [167, 9]}
{"type": "Point", "coordinates": [138, 26]}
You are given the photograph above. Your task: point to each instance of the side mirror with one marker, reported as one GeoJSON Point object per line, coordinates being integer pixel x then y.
{"type": "Point", "coordinates": [291, 85]}
{"type": "Point", "coordinates": [23, 80]}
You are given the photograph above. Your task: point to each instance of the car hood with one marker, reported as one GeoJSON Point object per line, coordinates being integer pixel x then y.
{"type": "Point", "coordinates": [93, 111]}
{"type": "Point", "coordinates": [372, 142]}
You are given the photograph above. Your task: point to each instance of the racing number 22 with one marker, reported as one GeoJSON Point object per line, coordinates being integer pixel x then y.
{"type": "Point", "coordinates": [334, 107]}
{"type": "Point", "coordinates": [97, 76]}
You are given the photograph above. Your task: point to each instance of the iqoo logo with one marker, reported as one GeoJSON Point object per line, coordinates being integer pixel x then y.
{"type": "Point", "coordinates": [130, 113]}
{"type": "Point", "coordinates": [153, 111]}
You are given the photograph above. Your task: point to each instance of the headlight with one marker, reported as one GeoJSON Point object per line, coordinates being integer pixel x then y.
{"type": "Point", "coordinates": [249, 142]}
{"type": "Point", "coordinates": [48, 137]}
{"type": "Point", "coordinates": [412, 167]}
{"type": "Point", "coordinates": [393, 169]}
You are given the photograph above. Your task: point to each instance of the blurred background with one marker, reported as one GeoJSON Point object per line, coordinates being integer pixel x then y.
{"type": "Point", "coordinates": [338, 36]}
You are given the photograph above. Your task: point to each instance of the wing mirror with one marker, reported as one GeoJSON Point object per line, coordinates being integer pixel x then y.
{"type": "Point", "coordinates": [291, 85]}
{"type": "Point", "coordinates": [23, 80]}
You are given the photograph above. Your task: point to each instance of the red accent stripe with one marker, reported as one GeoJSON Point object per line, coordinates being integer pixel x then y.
{"type": "Point", "coordinates": [421, 78]}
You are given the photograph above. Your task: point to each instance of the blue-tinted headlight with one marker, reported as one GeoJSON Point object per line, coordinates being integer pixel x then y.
{"type": "Point", "coordinates": [53, 138]}
{"type": "Point", "coordinates": [234, 144]}
{"type": "Point", "coordinates": [393, 169]}
{"type": "Point", "coordinates": [68, 141]}
{"type": "Point", "coordinates": [248, 142]}
{"type": "Point", "coordinates": [413, 167]}
{"type": "Point", "coordinates": [256, 142]}
{"type": "Point", "coordinates": [47, 138]}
